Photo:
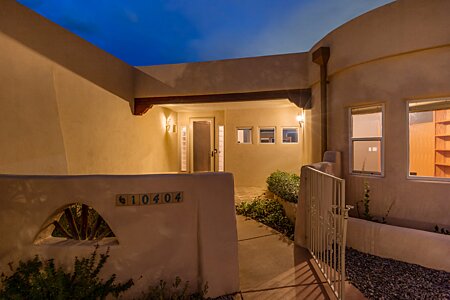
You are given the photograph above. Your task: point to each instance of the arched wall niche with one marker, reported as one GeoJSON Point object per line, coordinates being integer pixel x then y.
{"type": "Point", "coordinates": [76, 224]}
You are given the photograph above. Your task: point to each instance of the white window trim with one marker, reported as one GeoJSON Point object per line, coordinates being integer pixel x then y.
{"type": "Point", "coordinates": [251, 135]}
{"type": "Point", "coordinates": [290, 127]}
{"type": "Point", "coordinates": [412, 177]}
{"type": "Point", "coordinates": [351, 140]}
{"type": "Point", "coordinates": [274, 135]}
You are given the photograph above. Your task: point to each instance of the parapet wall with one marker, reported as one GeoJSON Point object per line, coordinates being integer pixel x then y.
{"type": "Point", "coordinates": [195, 239]}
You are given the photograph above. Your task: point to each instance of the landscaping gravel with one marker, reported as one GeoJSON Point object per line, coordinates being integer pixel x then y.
{"type": "Point", "coordinates": [382, 278]}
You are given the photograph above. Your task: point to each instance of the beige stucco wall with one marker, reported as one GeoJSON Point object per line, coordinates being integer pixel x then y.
{"type": "Point", "coordinates": [102, 136]}
{"type": "Point", "coordinates": [251, 164]}
{"type": "Point", "coordinates": [400, 243]}
{"type": "Point", "coordinates": [395, 53]}
{"type": "Point", "coordinates": [65, 105]}
{"type": "Point", "coordinates": [195, 239]}
{"type": "Point", "coordinates": [276, 72]}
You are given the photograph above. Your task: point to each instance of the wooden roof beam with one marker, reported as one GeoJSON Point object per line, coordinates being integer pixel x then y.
{"type": "Point", "coordinates": [300, 97]}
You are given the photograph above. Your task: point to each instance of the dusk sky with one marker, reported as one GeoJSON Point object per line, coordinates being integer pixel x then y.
{"type": "Point", "coordinates": [151, 32]}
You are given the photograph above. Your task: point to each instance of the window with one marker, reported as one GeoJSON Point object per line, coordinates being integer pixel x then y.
{"type": "Point", "coordinates": [366, 140]}
{"type": "Point", "coordinates": [183, 151]}
{"type": "Point", "coordinates": [429, 138]}
{"type": "Point", "coordinates": [267, 135]}
{"type": "Point", "coordinates": [221, 148]}
{"type": "Point", "coordinates": [290, 135]}
{"type": "Point", "coordinates": [244, 135]}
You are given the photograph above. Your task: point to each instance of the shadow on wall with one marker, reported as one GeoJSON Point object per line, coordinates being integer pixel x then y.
{"type": "Point", "coordinates": [69, 50]}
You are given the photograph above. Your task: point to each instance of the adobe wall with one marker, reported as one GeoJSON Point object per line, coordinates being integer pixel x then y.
{"type": "Point", "coordinates": [65, 105]}
{"type": "Point", "coordinates": [275, 72]}
{"type": "Point", "coordinates": [195, 239]}
{"type": "Point", "coordinates": [399, 243]}
{"type": "Point", "coordinates": [251, 164]}
{"type": "Point", "coordinates": [396, 53]}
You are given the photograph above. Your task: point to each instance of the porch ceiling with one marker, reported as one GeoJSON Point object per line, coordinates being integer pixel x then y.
{"type": "Point", "coordinates": [300, 97]}
{"type": "Point", "coordinates": [193, 107]}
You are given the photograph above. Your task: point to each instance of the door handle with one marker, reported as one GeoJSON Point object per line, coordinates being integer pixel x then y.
{"type": "Point", "coordinates": [214, 152]}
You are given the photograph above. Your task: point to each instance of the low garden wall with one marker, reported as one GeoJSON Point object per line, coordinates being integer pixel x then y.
{"type": "Point", "coordinates": [283, 187]}
{"type": "Point", "coordinates": [290, 209]}
{"type": "Point", "coordinates": [193, 237]}
{"type": "Point", "coordinates": [424, 248]}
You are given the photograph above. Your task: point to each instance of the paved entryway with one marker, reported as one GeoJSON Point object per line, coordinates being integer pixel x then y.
{"type": "Point", "coordinates": [272, 267]}
{"type": "Point", "coordinates": [247, 193]}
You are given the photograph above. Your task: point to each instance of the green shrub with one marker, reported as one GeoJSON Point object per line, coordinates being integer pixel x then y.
{"type": "Point", "coordinates": [284, 185]}
{"type": "Point", "coordinates": [177, 291]}
{"type": "Point", "coordinates": [269, 212]}
{"type": "Point", "coordinates": [35, 279]}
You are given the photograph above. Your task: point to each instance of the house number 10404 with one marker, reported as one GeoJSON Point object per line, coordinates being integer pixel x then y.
{"type": "Point", "coordinates": [149, 198]}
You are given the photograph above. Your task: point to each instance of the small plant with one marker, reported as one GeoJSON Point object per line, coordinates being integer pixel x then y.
{"type": "Point", "coordinates": [178, 291]}
{"type": "Point", "coordinates": [35, 279]}
{"type": "Point", "coordinates": [441, 230]}
{"type": "Point", "coordinates": [284, 185]}
{"type": "Point", "coordinates": [388, 211]}
{"type": "Point", "coordinates": [366, 203]}
{"type": "Point", "coordinates": [269, 212]}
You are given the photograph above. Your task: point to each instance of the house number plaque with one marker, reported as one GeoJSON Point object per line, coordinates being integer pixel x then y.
{"type": "Point", "coordinates": [149, 199]}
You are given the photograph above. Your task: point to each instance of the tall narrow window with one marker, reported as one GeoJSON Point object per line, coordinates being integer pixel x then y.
{"type": "Point", "coordinates": [429, 138]}
{"type": "Point", "coordinates": [244, 135]}
{"type": "Point", "coordinates": [221, 148]}
{"type": "Point", "coordinates": [183, 150]}
{"type": "Point", "coordinates": [366, 140]}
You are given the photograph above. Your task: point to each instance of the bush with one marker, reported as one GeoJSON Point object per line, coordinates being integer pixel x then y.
{"type": "Point", "coordinates": [178, 291]}
{"type": "Point", "coordinates": [269, 212]}
{"type": "Point", "coordinates": [35, 279]}
{"type": "Point", "coordinates": [284, 185]}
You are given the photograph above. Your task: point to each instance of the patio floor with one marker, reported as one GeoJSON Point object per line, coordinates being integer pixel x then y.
{"type": "Point", "coordinates": [272, 267]}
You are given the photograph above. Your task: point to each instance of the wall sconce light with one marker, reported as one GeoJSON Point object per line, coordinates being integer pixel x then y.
{"type": "Point", "coordinates": [300, 119]}
{"type": "Point", "coordinates": [170, 126]}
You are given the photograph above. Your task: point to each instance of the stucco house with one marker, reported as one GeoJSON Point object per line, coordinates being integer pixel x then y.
{"type": "Point", "coordinates": [376, 89]}
{"type": "Point", "coordinates": [68, 107]}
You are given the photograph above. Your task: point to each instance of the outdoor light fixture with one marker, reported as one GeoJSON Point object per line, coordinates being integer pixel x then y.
{"type": "Point", "coordinates": [170, 126]}
{"type": "Point", "coordinates": [300, 119]}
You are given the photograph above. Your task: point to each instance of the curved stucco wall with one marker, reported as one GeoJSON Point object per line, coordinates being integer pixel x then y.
{"type": "Point", "coordinates": [396, 53]}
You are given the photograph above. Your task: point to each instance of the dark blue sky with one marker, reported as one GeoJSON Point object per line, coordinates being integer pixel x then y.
{"type": "Point", "coordinates": [150, 32]}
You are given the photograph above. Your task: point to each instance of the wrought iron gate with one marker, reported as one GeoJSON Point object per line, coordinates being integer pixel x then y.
{"type": "Point", "coordinates": [326, 225]}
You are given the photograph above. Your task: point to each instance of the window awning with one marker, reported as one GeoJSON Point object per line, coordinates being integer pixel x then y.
{"type": "Point", "coordinates": [429, 105]}
{"type": "Point", "coordinates": [366, 110]}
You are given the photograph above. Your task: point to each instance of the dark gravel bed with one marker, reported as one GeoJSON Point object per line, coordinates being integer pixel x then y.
{"type": "Point", "coordinates": [382, 278]}
{"type": "Point", "coordinates": [227, 297]}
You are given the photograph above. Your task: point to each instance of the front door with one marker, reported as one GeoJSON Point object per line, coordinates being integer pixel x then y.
{"type": "Point", "coordinates": [202, 144]}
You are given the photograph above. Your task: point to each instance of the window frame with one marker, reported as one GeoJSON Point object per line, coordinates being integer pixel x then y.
{"type": "Point", "coordinates": [380, 139]}
{"type": "Point", "coordinates": [408, 162]}
{"type": "Point", "coordinates": [274, 135]}
{"type": "Point", "coordinates": [290, 127]}
{"type": "Point", "coordinates": [251, 134]}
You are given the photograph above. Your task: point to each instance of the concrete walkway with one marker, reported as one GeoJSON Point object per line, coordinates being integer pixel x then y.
{"type": "Point", "coordinates": [272, 267]}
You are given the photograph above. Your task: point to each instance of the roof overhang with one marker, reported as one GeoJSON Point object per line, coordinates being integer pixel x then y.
{"type": "Point", "coordinates": [300, 97]}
